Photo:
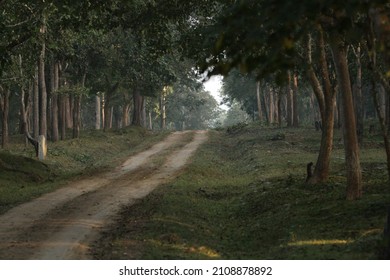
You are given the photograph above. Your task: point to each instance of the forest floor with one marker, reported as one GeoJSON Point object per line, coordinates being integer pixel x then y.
{"type": "Point", "coordinates": [244, 196]}
{"type": "Point", "coordinates": [241, 196]}
{"type": "Point", "coordinates": [62, 224]}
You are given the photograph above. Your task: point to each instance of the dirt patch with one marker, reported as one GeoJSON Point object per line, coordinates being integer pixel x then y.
{"type": "Point", "coordinates": [62, 224]}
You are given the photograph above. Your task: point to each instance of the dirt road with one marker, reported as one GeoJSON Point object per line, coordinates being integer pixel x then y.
{"type": "Point", "coordinates": [62, 224]}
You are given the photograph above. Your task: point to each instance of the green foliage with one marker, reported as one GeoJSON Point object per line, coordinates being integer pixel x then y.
{"type": "Point", "coordinates": [265, 36]}
{"type": "Point", "coordinates": [191, 108]}
{"type": "Point", "coordinates": [242, 89]}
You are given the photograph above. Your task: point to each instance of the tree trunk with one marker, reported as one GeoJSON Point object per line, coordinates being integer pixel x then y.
{"type": "Point", "coordinates": [163, 110]}
{"type": "Point", "coordinates": [54, 102]}
{"type": "Point", "coordinates": [77, 107]}
{"type": "Point", "coordinates": [150, 121]}
{"type": "Point", "coordinates": [76, 115]}
{"type": "Point", "coordinates": [106, 111]}
{"type": "Point", "coordinates": [279, 111]}
{"type": "Point", "coordinates": [137, 113]}
{"type": "Point", "coordinates": [258, 97]}
{"type": "Point", "coordinates": [358, 96]}
{"type": "Point", "coordinates": [381, 78]}
{"type": "Point", "coordinates": [289, 109]}
{"type": "Point", "coordinates": [97, 112]}
{"type": "Point", "coordinates": [62, 116]}
{"type": "Point", "coordinates": [68, 111]}
{"type": "Point", "coordinates": [126, 115]}
{"type": "Point", "coordinates": [351, 146]}
{"type": "Point", "coordinates": [382, 122]}
{"type": "Point", "coordinates": [4, 104]}
{"type": "Point", "coordinates": [42, 86]}
{"type": "Point", "coordinates": [325, 96]}
{"type": "Point", "coordinates": [36, 104]}
{"type": "Point", "coordinates": [295, 101]}
{"type": "Point", "coordinates": [271, 104]}
{"type": "Point", "coordinates": [118, 114]}
{"type": "Point", "coordinates": [143, 114]}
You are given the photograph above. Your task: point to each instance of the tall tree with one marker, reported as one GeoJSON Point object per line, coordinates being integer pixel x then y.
{"type": "Point", "coordinates": [351, 144]}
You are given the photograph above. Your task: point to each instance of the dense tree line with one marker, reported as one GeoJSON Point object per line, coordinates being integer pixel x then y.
{"type": "Point", "coordinates": [100, 64]}
{"type": "Point", "coordinates": [339, 48]}
{"type": "Point", "coordinates": [131, 62]}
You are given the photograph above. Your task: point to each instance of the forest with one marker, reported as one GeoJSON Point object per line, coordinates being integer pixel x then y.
{"type": "Point", "coordinates": [112, 75]}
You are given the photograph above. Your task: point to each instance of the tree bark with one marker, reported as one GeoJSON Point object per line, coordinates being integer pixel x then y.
{"type": "Point", "coordinates": [289, 109]}
{"type": "Point", "coordinates": [54, 102]}
{"type": "Point", "coordinates": [381, 78]}
{"type": "Point", "coordinates": [150, 121]}
{"type": "Point", "coordinates": [126, 114]}
{"type": "Point", "coordinates": [163, 110]}
{"type": "Point", "coordinates": [358, 95]}
{"type": "Point", "coordinates": [42, 86]}
{"type": "Point", "coordinates": [271, 107]}
{"type": "Point", "coordinates": [62, 116]}
{"type": "Point", "coordinates": [137, 113]}
{"type": "Point", "coordinates": [144, 121]}
{"type": "Point", "coordinates": [351, 146]}
{"type": "Point", "coordinates": [97, 112]}
{"type": "Point", "coordinates": [77, 107]}
{"type": "Point", "coordinates": [279, 111]}
{"type": "Point", "coordinates": [382, 122]}
{"type": "Point", "coordinates": [295, 101]}
{"type": "Point", "coordinates": [76, 115]}
{"type": "Point", "coordinates": [4, 105]}
{"type": "Point", "coordinates": [325, 96]}
{"type": "Point", "coordinates": [258, 98]}
{"type": "Point", "coordinates": [36, 104]}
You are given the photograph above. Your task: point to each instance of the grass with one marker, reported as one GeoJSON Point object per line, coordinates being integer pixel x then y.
{"type": "Point", "coordinates": [22, 177]}
{"type": "Point", "coordinates": [244, 197]}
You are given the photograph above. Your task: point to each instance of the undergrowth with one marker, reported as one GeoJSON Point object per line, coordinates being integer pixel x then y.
{"type": "Point", "coordinates": [244, 197]}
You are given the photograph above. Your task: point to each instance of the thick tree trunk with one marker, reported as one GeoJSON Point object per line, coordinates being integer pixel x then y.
{"type": "Point", "coordinates": [351, 146]}
{"type": "Point", "coordinates": [137, 113]}
{"type": "Point", "coordinates": [118, 114]}
{"type": "Point", "coordinates": [325, 95]}
{"type": "Point", "coordinates": [126, 115]}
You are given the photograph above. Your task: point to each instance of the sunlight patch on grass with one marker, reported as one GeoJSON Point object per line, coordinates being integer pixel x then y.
{"type": "Point", "coordinates": [186, 249]}
{"type": "Point", "coordinates": [319, 242]}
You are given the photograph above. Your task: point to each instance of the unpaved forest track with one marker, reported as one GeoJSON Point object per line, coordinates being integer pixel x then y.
{"type": "Point", "coordinates": [62, 224]}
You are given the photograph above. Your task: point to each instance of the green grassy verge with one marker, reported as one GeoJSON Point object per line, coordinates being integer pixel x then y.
{"type": "Point", "coordinates": [22, 177]}
{"type": "Point", "coordinates": [244, 197]}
